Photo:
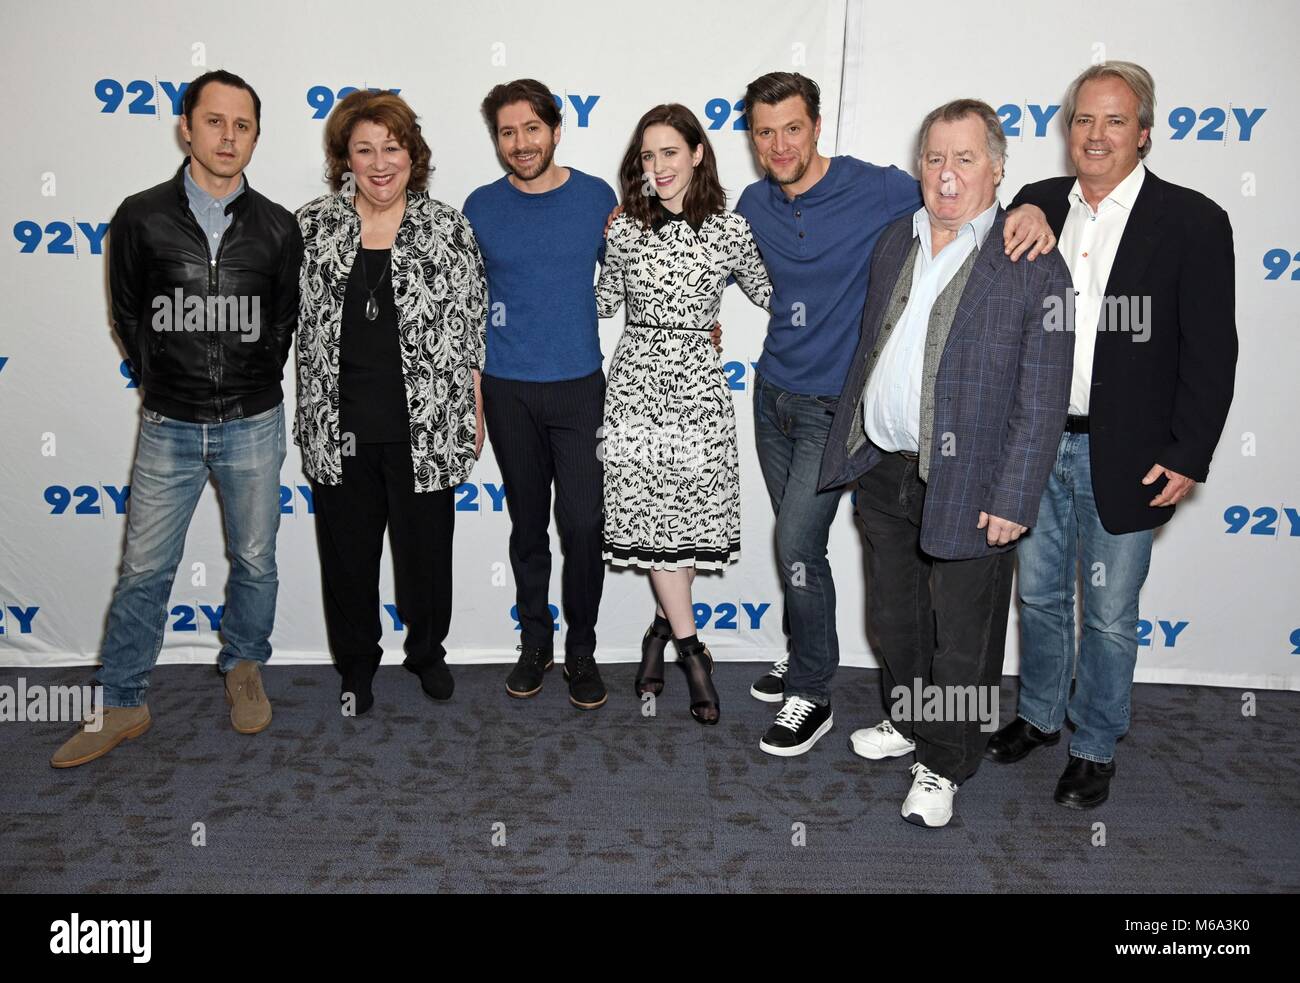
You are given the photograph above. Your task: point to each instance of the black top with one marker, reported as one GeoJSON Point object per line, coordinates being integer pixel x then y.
{"type": "Point", "coordinates": [372, 395]}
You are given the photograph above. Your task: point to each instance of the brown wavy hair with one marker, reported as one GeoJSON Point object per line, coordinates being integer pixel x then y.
{"type": "Point", "coordinates": [530, 91]}
{"type": "Point", "coordinates": [705, 195]}
{"type": "Point", "coordinates": [387, 109]}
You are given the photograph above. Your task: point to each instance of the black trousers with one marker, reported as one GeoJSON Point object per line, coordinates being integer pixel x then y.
{"type": "Point", "coordinates": [544, 432]}
{"type": "Point", "coordinates": [378, 491]}
{"type": "Point", "coordinates": [943, 622]}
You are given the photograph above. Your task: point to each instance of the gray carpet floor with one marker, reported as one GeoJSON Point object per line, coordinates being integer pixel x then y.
{"type": "Point", "coordinates": [486, 794]}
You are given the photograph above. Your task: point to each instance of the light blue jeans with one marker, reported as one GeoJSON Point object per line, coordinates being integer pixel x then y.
{"type": "Point", "coordinates": [1069, 531]}
{"type": "Point", "coordinates": [172, 463]}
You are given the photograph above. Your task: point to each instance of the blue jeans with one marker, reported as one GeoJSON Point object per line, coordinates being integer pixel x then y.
{"type": "Point", "coordinates": [172, 462]}
{"type": "Point", "coordinates": [1069, 531]}
{"type": "Point", "coordinates": [790, 431]}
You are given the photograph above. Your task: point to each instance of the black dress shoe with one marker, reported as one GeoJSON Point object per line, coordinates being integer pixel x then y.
{"type": "Point", "coordinates": [435, 680]}
{"type": "Point", "coordinates": [1016, 740]}
{"type": "Point", "coordinates": [1084, 784]}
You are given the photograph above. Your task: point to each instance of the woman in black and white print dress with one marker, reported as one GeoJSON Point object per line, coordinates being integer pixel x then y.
{"type": "Point", "coordinates": [672, 490]}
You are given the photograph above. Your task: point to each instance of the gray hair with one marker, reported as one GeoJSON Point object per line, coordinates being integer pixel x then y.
{"type": "Point", "coordinates": [951, 112]}
{"type": "Point", "coordinates": [1140, 83]}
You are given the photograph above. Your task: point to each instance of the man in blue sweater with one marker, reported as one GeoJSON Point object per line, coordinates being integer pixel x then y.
{"type": "Point", "coordinates": [541, 232]}
{"type": "Point", "coordinates": [816, 220]}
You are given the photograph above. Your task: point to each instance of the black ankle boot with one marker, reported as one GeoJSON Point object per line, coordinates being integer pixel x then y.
{"type": "Point", "coordinates": [694, 658]}
{"type": "Point", "coordinates": [650, 677]}
{"type": "Point", "coordinates": [358, 687]}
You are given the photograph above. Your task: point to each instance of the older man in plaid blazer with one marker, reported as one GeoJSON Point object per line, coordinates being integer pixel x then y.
{"type": "Point", "coordinates": [949, 421]}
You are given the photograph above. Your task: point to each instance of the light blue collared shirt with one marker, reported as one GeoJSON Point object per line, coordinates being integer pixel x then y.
{"type": "Point", "coordinates": [211, 212]}
{"type": "Point", "coordinates": [891, 406]}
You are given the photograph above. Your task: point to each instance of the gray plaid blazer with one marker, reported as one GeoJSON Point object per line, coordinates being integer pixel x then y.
{"type": "Point", "coordinates": [1000, 393]}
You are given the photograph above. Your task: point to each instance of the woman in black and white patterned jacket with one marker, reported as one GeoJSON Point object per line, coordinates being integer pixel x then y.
{"type": "Point", "coordinates": [390, 342]}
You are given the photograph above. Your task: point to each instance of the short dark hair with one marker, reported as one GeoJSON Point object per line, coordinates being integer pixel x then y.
{"type": "Point", "coordinates": [530, 91]}
{"type": "Point", "coordinates": [777, 87]}
{"type": "Point", "coordinates": [195, 89]}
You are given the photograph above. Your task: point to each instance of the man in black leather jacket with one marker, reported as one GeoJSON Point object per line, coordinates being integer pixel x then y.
{"type": "Point", "coordinates": [203, 273]}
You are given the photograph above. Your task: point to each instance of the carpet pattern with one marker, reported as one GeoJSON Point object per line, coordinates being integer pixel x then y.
{"type": "Point", "coordinates": [489, 794]}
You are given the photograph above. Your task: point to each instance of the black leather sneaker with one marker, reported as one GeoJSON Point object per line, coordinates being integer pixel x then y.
{"type": "Point", "coordinates": [797, 727]}
{"type": "Point", "coordinates": [525, 678]}
{"type": "Point", "coordinates": [770, 688]}
{"type": "Point", "coordinates": [586, 689]}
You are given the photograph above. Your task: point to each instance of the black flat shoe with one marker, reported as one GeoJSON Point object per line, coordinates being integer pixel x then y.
{"type": "Point", "coordinates": [1016, 740]}
{"type": "Point", "coordinates": [697, 662]}
{"type": "Point", "coordinates": [650, 676]}
{"type": "Point", "coordinates": [435, 680]}
{"type": "Point", "coordinates": [1085, 784]}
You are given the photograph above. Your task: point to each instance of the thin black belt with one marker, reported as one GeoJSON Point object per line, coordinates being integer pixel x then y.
{"type": "Point", "coordinates": [1076, 424]}
{"type": "Point", "coordinates": [666, 327]}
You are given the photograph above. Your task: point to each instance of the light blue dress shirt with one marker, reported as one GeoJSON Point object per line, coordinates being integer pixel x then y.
{"type": "Point", "coordinates": [211, 212]}
{"type": "Point", "coordinates": [891, 406]}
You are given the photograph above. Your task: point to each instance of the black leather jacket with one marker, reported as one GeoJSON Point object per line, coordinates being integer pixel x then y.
{"type": "Point", "coordinates": [190, 369]}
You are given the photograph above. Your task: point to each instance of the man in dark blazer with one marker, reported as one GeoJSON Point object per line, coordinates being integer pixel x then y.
{"type": "Point", "coordinates": [1155, 355]}
{"type": "Point", "coordinates": [949, 419]}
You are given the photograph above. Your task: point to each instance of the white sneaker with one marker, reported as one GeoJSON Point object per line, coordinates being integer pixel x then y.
{"type": "Point", "coordinates": [929, 803]}
{"type": "Point", "coordinates": [880, 741]}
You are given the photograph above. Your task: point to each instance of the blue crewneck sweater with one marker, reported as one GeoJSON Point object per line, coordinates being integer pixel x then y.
{"type": "Point", "coordinates": [541, 252]}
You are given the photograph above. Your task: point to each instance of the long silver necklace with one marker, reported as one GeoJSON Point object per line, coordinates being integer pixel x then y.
{"type": "Point", "coordinates": [372, 305]}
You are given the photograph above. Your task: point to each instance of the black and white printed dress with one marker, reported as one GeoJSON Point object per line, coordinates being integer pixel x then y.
{"type": "Point", "coordinates": [672, 486]}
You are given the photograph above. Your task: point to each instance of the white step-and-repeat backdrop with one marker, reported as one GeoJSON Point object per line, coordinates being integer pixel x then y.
{"type": "Point", "coordinates": [92, 118]}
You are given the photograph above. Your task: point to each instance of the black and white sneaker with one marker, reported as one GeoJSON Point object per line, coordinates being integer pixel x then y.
{"type": "Point", "coordinates": [771, 687]}
{"type": "Point", "coordinates": [797, 727]}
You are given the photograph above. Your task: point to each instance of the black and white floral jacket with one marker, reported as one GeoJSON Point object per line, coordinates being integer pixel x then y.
{"type": "Point", "coordinates": [440, 290]}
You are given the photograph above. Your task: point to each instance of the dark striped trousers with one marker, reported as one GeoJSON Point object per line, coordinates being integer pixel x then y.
{"type": "Point", "coordinates": [544, 432]}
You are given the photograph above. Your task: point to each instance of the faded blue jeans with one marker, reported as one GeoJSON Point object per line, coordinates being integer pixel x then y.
{"type": "Point", "coordinates": [791, 430]}
{"type": "Point", "coordinates": [172, 463]}
{"type": "Point", "coordinates": [1069, 531]}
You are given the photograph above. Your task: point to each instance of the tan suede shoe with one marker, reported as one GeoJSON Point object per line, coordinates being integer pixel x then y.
{"type": "Point", "coordinates": [118, 724]}
{"type": "Point", "coordinates": [250, 710]}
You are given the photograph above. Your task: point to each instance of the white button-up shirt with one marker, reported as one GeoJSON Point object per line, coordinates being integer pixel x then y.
{"type": "Point", "coordinates": [1089, 242]}
{"type": "Point", "coordinates": [891, 406]}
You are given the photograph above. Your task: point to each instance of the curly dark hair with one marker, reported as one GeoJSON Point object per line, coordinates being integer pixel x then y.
{"type": "Point", "coordinates": [705, 195]}
{"type": "Point", "coordinates": [387, 109]}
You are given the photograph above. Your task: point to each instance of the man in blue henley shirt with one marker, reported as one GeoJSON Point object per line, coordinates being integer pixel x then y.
{"type": "Point", "coordinates": [816, 220]}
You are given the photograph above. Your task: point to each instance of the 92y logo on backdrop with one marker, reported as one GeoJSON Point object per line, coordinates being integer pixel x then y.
{"type": "Point", "coordinates": [59, 497]}
{"type": "Point", "coordinates": [146, 97]}
{"type": "Point", "coordinates": [1030, 112]}
{"type": "Point", "coordinates": [60, 237]}
{"type": "Point", "coordinates": [1217, 122]}
{"type": "Point", "coordinates": [322, 97]}
{"type": "Point", "coordinates": [582, 106]}
{"type": "Point", "coordinates": [1237, 517]}
{"type": "Point", "coordinates": [15, 619]}
{"type": "Point", "coordinates": [1159, 633]}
